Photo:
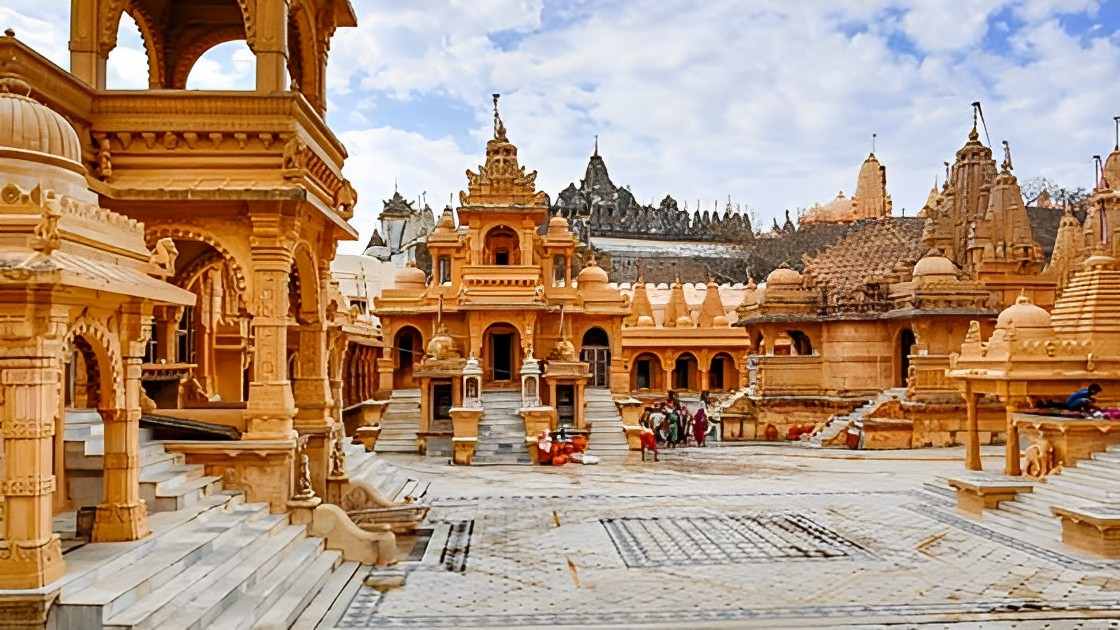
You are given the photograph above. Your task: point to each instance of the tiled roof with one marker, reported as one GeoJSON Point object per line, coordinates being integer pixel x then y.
{"type": "Point", "coordinates": [872, 250]}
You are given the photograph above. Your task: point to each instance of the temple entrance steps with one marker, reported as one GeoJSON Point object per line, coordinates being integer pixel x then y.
{"type": "Point", "coordinates": [221, 563]}
{"type": "Point", "coordinates": [608, 439]}
{"type": "Point", "coordinates": [167, 482]}
{"type": "Point", "coordinates": [400, 423]}
{"type": "Point", "coordinates": [390, 480]}
{"type": "Point", "coordinates": [1090, 482]}
{"type": "Point", "coordinates": [831, 433]}
{"type": "Point", "coordinates": [501, 431]}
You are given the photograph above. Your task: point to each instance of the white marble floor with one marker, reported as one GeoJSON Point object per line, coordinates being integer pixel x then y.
{"type": "Point", "coordinates": [753, 536]}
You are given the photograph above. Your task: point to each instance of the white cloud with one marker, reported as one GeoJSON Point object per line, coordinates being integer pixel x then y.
{"type": "Point", "coordinates": [772, 102]}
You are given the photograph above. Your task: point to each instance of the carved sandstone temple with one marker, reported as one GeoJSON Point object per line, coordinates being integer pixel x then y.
{"type": "Point", "coordinates": [176, 357]}
{"type": "Point", "coordinates": [503, 296]}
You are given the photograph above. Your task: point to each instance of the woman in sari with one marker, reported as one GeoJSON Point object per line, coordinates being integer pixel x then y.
{"type": "Point", "coordinates": [700, 425]}
{"type": "Point", "coordinates": [674, 427]}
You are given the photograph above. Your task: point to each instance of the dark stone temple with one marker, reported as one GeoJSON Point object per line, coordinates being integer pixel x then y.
{"type": "Point", "coordinates": [665, 241]}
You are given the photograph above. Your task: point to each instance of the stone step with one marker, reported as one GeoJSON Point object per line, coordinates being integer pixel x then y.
{"type": "Point", "coordinates": [285, 610]}
{"type": "Point", "coordinates": [203, 605]}
{"type": "Point", "coordinates": [84, 605]}
{"type": "Point", "coordinates": [336, 593]}
{"type": "Point", "coordinates": [98, 561]}
{"type": "Point", "coordinates": [263, 541]}
{"type": "Point", "coordinates": [306, 557]}
{"type": "Point", "coordinates": [1079, 487]}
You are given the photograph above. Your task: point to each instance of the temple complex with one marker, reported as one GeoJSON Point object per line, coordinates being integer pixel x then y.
{"type": "Point", "coordinates": [503, 296]}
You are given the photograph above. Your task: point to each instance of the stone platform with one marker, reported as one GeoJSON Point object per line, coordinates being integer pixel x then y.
{"type": "Point", "coordinates": [754, 536]}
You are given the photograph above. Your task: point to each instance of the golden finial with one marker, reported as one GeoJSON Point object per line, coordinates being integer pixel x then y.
{"type": "Point", "coordinates": [1006, 156]}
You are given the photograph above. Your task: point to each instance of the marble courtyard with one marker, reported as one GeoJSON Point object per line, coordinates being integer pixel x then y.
{"type": "Point", "coordinates": [759, 536]}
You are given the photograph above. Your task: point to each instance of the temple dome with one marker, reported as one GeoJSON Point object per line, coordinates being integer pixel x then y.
{"type": "Point", "coordinates": [34, 127]}
{"type": "Point", "coordinates": [1023, 316]}
{"type": "Point", "coordinates": [410, 278]}
{"type": "Point", "coordinates": [1111, 170]}
{"type": "Point", "coordinates": [934, 264]}
{"type": "Point", "coordinates": [783, 276]}
{"type": "Point", "coordinates": [592, 274]}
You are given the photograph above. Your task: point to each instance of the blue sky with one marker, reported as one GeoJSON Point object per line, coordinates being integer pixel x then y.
{"type": "Point", "coordinates": [772, 103]}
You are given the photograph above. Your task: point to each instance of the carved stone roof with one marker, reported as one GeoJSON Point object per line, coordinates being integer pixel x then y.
{"type": "Point", "coordinates": [34, 127]}
{"type": "Point", "coordinates": [869, 253]}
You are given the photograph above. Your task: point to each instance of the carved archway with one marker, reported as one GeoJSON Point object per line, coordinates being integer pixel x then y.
{"type": "Point", "coordinates": [188, 55]}
{"type": "Point", "coordinates": [154, 232]}
{"type": "Point", "coordinates": [303, 265]}
{"type": "Point", "coordinates": [647, 373]}
{"type": "Point", "coordinates": [93, 339]}
{"type": "Point", "coordinates": [685, 371]}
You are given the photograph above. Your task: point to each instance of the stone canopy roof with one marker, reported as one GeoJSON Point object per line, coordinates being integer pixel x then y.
{"type": "Point", "coordinates": [868, 253]}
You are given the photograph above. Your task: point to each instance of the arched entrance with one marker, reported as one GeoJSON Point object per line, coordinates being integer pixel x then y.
{"type": "Point", "coordinates": [646, 373]}
{"type": "Point", "coordinates": [723, 374]}
{"type": "Point", "coordinates": [685, 370]}
{"type": "Point", "coordinates": [407, 349]}
{"type": "Point", "coordinates": [595, 350]}
{"type": "Point", "coordinates": [502, 247]}
{"type": "Point", "coordinates": [905, 347]}
{"type": "Point", "coordinates": [502, 345]}
{"type": "Point", "coordinates": [800, 343]}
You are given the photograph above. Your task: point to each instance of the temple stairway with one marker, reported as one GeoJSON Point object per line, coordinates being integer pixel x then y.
{"type": "Point", "coordinates": [501, 431]}
{"type": "Point", "coordinates": [400, 423]}
{"type": "Point", "coordinates": [213, 560]}
{"type": "Point", "coordinates": [1089, 482]}
{"type": "Point", "coordinates": [608, 439]}
{"type": "Point", "coordinates": [838, 424]}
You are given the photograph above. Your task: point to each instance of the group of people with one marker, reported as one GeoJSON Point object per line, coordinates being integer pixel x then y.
{"type": "Point", "coordinates": [669, 422]}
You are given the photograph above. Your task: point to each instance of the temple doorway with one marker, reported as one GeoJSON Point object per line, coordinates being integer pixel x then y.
{"type": "Point", "coordinates": [646, 373]}
{"type": "Point", "coordinates": [596, 352]}
{"type": "Point", "coordinates": [502, 348]}
{"type": "Point", "coordinates": [905, 347]}
{"type": "Point", "coordinates": [684, 372]}
{"type": "Point", "coordinates": [722, 373]}
{"type": "Point", "coordinates": [407, 349]}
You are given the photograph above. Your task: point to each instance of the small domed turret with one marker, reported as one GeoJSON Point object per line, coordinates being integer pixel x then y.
{"type": "Point", "coordinates": [410, 277]}
{"type": "Point", "coordinates": [1024, 317]}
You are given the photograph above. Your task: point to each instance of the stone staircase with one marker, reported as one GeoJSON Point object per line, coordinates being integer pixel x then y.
{"type": "Point", "coordinates": [220, 563]}
{"type": "Point", "coordinates": [838, 424]}
{"type": "Point", "coordinates": [212, 561]}
{"type": "Point", "coordinates": [501, 432]}
{"type": "Point", "coordinates": [1090, 482]}
{"type": "Point", "coordinates": [400, 423]}
{"type": "Point", "coordinates": [608, 439]}
{"type": "Point", "coordinates": [167, 482]}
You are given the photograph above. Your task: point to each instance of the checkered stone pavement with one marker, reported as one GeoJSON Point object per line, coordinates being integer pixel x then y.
{"type": "Point", "coordinates": [732, 552]}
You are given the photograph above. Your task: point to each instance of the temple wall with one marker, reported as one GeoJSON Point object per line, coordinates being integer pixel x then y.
{"type": "Point", "coordinates": [898, 424]}
{"type": "Point", "coordinates": [858, 356]}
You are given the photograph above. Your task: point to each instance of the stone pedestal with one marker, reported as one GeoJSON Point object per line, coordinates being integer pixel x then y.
{"type": "Point", "coordinates": [537, 420]}
{"type": "Point", "coordinates": [367, 437]}
{"type": "Point", "coordinates": [975, 494]}
{"type": "Point", "coordinates": [303, 509]}
{"type": "Point", "coordinates": [463, 450]}
{"type": "Point", "coordinates": [464, 427]}
{"type": "Point", "coordinates": [631, 411]}
{"type": "Point", "coordinates": [1095, 529]}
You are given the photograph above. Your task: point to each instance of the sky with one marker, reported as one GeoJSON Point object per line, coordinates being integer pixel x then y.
{"type": "Point", "coordinates": [769, 103]}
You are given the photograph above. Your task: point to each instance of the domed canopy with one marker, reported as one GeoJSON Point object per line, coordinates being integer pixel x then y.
{"type": "Point", "coordinates": [1023, 316]}
{"type": "Point", "coordinates": [934, 264]}
{"type": "Point", "coordinates": [783, 276]}
{"type": "Point", "coordinates": [410, 278]}
{"type": "Point", "coordinates": [592, 274]}
{"type": "Point", "coordinates": [29, 126]}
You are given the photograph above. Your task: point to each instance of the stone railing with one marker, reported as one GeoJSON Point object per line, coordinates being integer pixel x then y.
{"type": "Point", "coordinates": [789, 375]}
{"type": "Point", "coordinates": [927, 378]}
{"type": "Point", "coordinates": [501, 277]}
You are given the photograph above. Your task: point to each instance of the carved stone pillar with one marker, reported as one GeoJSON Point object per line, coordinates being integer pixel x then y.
{"type": "Point", "coordinates": [271, 406]}
{"type": "Point", "coordinates": [271, 45]}
{"type": "Point", "coordinates": [30, 371]}
{"type": "Point", "coordinates": [972, 448]}
{"type": "Point", "coordinates": [311, 389]}
{"type": "Point", "coordinates": [88, 59]}
{"type": "Point", "coordinates": [122, 514]}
